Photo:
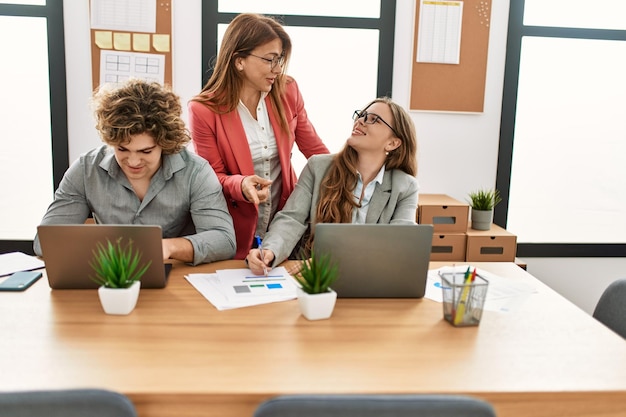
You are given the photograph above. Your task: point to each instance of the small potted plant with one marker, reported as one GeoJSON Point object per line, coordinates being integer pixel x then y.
{"type": "Point", "coordinates": [315, 297]}
{"type": "Point", "coordinates": [118, 271]}
{"type": "Point", "coordinates": [482, 203]}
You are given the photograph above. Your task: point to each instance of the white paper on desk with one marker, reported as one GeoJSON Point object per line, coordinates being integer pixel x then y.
{"type": "Point", "coordinates": [17, 261]}
{"type": "Point", "coordinates": [234, 288]}
{"type": "Point", "coordinates": [503, 295]}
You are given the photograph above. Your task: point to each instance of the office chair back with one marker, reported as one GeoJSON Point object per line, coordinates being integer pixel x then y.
{"type": "Point", "coordinates": [611, 307]}
{"type": "Point", "coordinates": [369, 405]}
{"type": "Point", "coordinates": [66, 403]}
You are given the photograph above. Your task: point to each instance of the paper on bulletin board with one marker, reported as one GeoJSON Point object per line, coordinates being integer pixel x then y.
{"type": "Point", "coordinates": [124, 15]}
{"type": "Point", "coordinates": [444, 87]}
{"type": "Point", "coordinates": [439, 36]}
{"type": "Point", "coordinates": [118, 66]}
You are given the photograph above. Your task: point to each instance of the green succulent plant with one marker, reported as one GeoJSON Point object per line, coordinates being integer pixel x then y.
{"type": "Point", "coordinates": [484, 199]}
{"type": "Point", "coordinates": [317, 273]}
{"type": "Point", "coordinates": [117, 265]}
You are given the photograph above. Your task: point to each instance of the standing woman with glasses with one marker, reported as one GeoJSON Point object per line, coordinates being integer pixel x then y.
{"type": "Point", "coordinates": [371, 180]}
{"type": "Point", "coordinates": [246, 120]}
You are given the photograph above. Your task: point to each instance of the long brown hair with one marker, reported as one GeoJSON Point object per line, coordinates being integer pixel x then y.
{"type": "Point", "coordinates": [336, 201]}
{"type": "Point", "coordinates": [244, 33]}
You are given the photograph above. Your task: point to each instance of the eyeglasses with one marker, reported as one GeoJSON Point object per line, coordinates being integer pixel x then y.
{"type": "Point", "coordinates": [371, 118]}
{"type": "Point", "coordinates": [277, 60]}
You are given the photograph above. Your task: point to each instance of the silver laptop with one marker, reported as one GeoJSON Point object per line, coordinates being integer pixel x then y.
{"type": "Point", "coordinates": [67, 250]}
{"type": "Point", "coordinates": [377, 260]}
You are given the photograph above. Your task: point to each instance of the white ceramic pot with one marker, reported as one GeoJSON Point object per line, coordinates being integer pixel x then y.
{"type": "Point", "coordinates": [119, 301]}
{"type": "Point", "coordinates": [316, 306]}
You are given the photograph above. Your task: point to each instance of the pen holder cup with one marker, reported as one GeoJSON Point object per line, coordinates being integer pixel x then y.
{"type": "Point", "coordinates": [463, 303]}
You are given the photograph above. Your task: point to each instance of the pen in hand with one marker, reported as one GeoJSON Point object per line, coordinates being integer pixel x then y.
{"type": "Point", "coordinates": [260, 246]}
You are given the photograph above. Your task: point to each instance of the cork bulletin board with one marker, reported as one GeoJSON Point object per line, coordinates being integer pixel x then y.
{"type": "Point", "coordinates": [131, 39]}
{"type": "Point", "coordinates": [453, 81]}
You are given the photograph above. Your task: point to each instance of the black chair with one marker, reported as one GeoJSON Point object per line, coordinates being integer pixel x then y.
{"type": "Point", "coordinates": [611, 307]}
{"type": "Point", "coordinates": [66, 403]}
{"type": "Point", "coordinates": [370, 405]}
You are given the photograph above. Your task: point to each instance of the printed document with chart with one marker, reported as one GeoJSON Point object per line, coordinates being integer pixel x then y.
{"type": "Point", "coordinates": [234, 288]}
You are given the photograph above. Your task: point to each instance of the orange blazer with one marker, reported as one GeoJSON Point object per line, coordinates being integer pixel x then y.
{"type": "Point", "coordinates": [221, 140]}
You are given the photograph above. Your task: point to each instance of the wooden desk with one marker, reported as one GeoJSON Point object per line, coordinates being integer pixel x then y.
{"type": "Point", "coordinates": [176, 355]}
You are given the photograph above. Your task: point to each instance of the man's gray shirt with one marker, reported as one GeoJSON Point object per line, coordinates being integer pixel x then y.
{"type": "Point", "coordinates": [185, 198]}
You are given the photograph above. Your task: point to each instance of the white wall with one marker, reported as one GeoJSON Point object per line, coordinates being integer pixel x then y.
{"type": "Point", "coordinates": [448, 142]}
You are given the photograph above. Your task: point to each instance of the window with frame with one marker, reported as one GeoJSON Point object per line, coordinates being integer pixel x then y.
{"type": "Point", "coordinates": [562, 132]}
{"type": "Point", "coordinates": [33, 116]}
{"type": "Point", "coordinates": [342, 55]}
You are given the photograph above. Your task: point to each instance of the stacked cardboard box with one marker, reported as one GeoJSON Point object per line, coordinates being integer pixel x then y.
{"type": "Point", "coordinates": [455, 240]}
{"type": "Point", "coordinates": [449, 218]}
{"type": "Point", "coordinates": [493, 245]}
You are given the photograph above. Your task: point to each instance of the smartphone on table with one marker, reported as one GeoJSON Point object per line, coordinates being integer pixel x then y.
{"type": "Point", "coordinates": [19, 281]}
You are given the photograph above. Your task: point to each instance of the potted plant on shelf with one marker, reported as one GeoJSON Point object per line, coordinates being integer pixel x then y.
{"type": "Point", "coordinates": [118, 271]}
{"type": "Point", "coordinates": [315, 297]}
{"type": "Point", "coordinates": [482, 203]}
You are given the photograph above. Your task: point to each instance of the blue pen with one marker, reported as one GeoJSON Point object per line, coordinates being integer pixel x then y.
{"type": "Point", "coordinates": [260, 246]}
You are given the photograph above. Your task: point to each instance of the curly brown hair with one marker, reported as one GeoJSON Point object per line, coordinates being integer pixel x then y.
{"type": "Point", "coordinates": [137, 107]}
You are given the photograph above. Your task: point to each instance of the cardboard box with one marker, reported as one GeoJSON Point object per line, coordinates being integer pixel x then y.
{"type": "Point", "coordinates": [448, 247]}
{"type": "Point", "coordinates": [446, 214]}
{"type": "Point", "coordinates": [494, 245]}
